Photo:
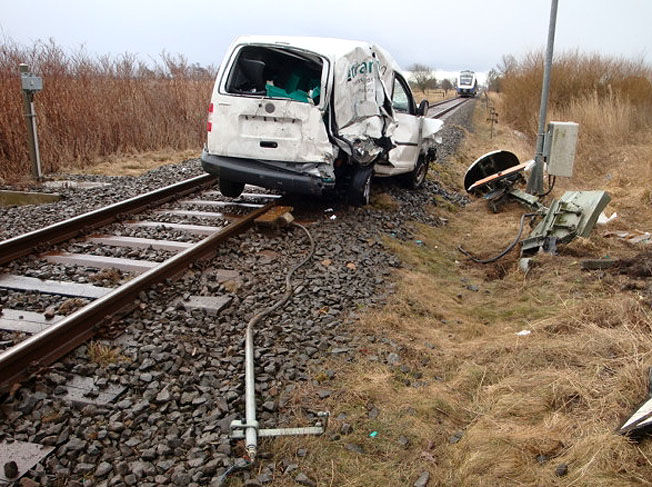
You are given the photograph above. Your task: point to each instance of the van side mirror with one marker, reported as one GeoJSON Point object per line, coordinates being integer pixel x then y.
{"type": "Point", "coordinates": [423, 108]}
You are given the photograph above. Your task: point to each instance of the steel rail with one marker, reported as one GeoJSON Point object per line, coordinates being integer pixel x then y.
{"type": "Point", "coordinates": [34, 353]}
{"type": "Point", "coordinates": [42, 238]}
{"type": "Point", "coordinates": [450, 109]}
{"type": "Point", "coordinates": [441, 102]}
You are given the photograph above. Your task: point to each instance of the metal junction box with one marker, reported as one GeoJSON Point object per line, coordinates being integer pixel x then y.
{"type": "Point", "coordinates": [559, 148]}
{"type": "Point", "coordinates": [31, 83]}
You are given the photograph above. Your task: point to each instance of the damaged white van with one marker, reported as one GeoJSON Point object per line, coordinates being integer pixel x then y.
{"type": "Point", "coordinates": [312, 115]}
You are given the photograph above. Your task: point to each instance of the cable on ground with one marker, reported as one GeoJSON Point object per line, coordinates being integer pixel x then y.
{"type": "Point", "coordinates": [244, 463]}
{"type": "Point", "coordinates": [504, 252]}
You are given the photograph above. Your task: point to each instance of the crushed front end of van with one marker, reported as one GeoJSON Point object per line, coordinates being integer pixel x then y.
{"type": "Point", "coordinates": [300, 115]}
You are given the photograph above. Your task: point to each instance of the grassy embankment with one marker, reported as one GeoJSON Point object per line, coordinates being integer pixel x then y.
{"type": "Point", "coordinates": [105, 111]}
{"type": "Point", "coordinates": [478, 404]}
{"type": "Point", "coordinates": [433, 96]}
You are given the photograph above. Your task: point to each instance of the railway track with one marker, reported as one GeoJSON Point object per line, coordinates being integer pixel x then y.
{"type": "Point", "coordinates": [186, 210]}
{"type": "Point", "coordinates": [444, 108]}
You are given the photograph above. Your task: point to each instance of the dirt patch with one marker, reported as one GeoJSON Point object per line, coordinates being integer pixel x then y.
{"type": "Point", "coordinates": [639, 266]}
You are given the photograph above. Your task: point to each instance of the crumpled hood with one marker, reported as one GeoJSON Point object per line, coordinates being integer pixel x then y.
{"type": "Point", "coordinates": [362, 103]}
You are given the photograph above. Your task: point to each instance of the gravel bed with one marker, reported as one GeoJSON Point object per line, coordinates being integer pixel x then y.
{"type": "Point", "coordinates": [65, 273]}
{"type": "Point", "coordinates": [154, 255]}
{"type": "Point", "coordinates": [159, 233]}
{"type": "Point", "coordinates": [183, 369]}
{"type": "Point", "coordinates": [186, 219]}
{"type": "Point", "coordinates": [75, 201]}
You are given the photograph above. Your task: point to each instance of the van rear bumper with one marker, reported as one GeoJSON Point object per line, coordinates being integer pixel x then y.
{"type": "Point", "coordinates": [265, 174]}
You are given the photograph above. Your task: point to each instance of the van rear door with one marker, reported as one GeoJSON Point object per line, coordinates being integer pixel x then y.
{"type": "Point", "coordinates": [269, 105]}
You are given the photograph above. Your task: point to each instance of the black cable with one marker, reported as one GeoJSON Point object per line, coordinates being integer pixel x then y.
{"type": "Point", "coordinates": [289, 289]}
{"type": "Point", "coordinates": [241, 464]}
{"type": "Point", "coordinates": [504, 252]}
{"type": "Point", "coordinates": [550, 186]}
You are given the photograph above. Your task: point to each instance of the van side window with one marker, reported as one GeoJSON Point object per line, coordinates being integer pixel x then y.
{"type": "Point", "coordinates": [401, 97]}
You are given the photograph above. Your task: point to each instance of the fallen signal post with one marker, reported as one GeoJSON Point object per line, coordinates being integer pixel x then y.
{"type": "Point", "coordinates": [249, 428]}
{"type": "Point", "coordinates": [494, 175]}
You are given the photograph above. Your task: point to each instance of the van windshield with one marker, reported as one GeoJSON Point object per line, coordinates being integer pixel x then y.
{"type": "Point", "coordinates": [276, 73]}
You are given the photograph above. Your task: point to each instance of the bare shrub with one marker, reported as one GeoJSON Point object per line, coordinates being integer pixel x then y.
{"type": "Point", "coordinates": [583, 85]}
{"type": "Point", "coordinates": [94, 106]}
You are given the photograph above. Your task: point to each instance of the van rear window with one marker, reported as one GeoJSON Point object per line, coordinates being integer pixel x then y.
{"type": "Point", "coordinates": [276, 73]}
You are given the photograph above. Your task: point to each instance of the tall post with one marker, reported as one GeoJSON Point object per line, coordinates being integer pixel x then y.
{"type": "Point", "coordinates": [30, 117]}
{"type": "Point", "coordinates": [535, 182]}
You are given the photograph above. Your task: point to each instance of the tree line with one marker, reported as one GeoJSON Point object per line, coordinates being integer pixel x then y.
{"type": "Point", "coordinates": [423, 78]}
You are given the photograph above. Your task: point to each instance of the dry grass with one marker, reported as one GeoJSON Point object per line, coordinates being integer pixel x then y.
{"type": "Point", "coordinates": [91, 108]}
{"type": "Point", "coordinates": [610, 98]}
{"type": "Point", "coordinates": [522, 405]}
{"type": "Point", "coordinates": [103, 354]}
{"type": "Point", "coordinates": [131, 164]}
{"type": "Point", "coordinates": [433, 96]}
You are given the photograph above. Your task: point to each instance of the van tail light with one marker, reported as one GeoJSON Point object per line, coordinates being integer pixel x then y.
{"type": "Point", "coordinates": [210, 108]}
{"type": "Point", "coordinates": [209, 126]}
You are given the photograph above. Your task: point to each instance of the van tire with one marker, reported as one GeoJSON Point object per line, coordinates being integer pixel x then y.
{"type": "Point", "coordinates": [231, 189]}
{"type": "Point", "coordinates": [415, 178]}
{"type": "Point", "coordinates": [360, 187]}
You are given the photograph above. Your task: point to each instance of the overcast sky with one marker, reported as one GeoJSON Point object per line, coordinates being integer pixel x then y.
{"type": "Point", "coordinates": [447, 35]}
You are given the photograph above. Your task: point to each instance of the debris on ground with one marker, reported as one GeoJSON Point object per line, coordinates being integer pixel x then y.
{"type": "Point", "coordinates": [603, 219]}
{"type": "Point", "coordinates": [635, 236]}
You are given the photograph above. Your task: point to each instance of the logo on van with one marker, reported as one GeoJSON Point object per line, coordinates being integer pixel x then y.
{"type": "Point", "coordinates": [365, 67]}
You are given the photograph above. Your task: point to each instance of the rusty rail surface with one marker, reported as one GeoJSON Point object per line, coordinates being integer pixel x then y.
{"type": "Point", "coordinates": [31, 355]}
{"type": "Point", "coordinates": [40, 239]}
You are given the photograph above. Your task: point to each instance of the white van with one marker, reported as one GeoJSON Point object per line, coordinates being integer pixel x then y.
{"type": "Point", "coordinates": [307, 115]}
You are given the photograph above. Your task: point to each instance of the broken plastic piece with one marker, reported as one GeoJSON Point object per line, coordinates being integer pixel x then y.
{"type": "Point", "coordinates": [640, 421]}
{"type": "Point", "coordinates": [373, 434]}
{"type": "Point", "coordinates": [603, 219]}
{"type": "Point", "coordinates": [523, 333]}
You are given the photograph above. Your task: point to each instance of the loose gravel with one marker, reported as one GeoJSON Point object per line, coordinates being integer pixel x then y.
{"type": "Point", "coordinates": [183, 369]}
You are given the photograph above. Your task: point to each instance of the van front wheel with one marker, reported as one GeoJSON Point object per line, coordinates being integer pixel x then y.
{"type": "Point", "coordinates": [360, 188]}
{"type": "Point", "coordinates": [231, 189]}
{"type": "Point", "coordinates": [415, 178]}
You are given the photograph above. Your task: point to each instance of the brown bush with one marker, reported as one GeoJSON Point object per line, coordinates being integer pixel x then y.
{"type": "Point", "coordinates": [611, 99]}
{"type": "Point", "coordinates": [92, 107]}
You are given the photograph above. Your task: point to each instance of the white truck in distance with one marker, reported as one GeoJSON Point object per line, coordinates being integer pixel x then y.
{"type": "Point", "coordinates": [312, 115]}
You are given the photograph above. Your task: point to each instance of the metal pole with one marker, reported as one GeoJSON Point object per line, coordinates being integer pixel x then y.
{"type": "Point", "coordinates": [535, 182]}
{"type": "Point", "coordinates": [32, 138]}
{"type": "Point", "coordinates": [251, 431]}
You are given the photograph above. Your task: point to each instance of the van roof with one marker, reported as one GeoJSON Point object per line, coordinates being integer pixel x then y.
{"type": "Point", "coordinates": [329, 47]}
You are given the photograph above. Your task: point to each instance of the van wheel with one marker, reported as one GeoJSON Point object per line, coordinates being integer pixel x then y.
{"type": "Point", "coordinates": [415, 178]}
{"type": "Point", "coordinates": [360, 188]}
{"type": "Point", "coordinates": [231, 189]}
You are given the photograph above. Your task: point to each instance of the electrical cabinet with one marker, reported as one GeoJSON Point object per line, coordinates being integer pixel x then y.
{"type": "Point", "coordinates": [559, 148]}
